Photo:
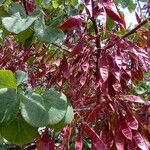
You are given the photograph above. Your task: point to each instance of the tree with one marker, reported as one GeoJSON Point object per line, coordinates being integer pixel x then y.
{"type": "Point", "coordinates": [71, 70]}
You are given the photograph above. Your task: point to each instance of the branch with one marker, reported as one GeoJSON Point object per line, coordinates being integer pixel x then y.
{"type": "Point", "coordinates": [83, 109]}
{"type": "Point", "coordinates": [61, 47]}
{"type": "Point", "coordinates": [136, 28]}
{"type": "Point", "coordinates": [128, 33]}
{"type": "Point", "coordinates": [98, 53]}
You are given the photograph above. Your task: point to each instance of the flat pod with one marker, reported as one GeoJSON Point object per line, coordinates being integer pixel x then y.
{"type": "Point", "coordinates": [9, 103]}
{"type": "Point", "coordinates": [33, 110]}
{"type": "Point", "coordinates": [19, 131]}
{"type": "Point", "coordinates": [56, 105]}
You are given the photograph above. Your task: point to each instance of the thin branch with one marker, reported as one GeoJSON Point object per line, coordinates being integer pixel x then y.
{"type": "Point", "coordinates": [98, 53]}
{"type": "Point", "coordinates": [136, 28]}
{"type": "Point", "coordinates": [83, 109]}
{"type": "Point", "coordinates": [128, 33]}
{"type": "Point", "coordinates": [61, 47]}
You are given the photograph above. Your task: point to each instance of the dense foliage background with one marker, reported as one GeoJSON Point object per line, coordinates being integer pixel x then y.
{"type": "Point", "coordinates": [74, 75]}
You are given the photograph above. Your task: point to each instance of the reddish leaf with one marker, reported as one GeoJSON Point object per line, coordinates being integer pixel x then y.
{"type": "Point", "coordinates": [140, 141]}
{"type": "Point", "coordinates": [9, 43]}
{"type": "Point", "coordinates": [143, 62]}
{"type": "Point", "coordinates": [95, 139]}
{"type": "Point", "coordinates": [79, 141]}
{"type": "Point", "coordinates": [104, 73]}
{"type": "Point", "coordinates": [72, 22]}
{"type": "Point", "coordinates": [100, 13]}
{"type": "Point", "coordinates": [132, 122]}
{"type": "Point", "coordinates": [148, 46]}
{"type": "Point", "coordinates": [83, 80]}
{"type": "Point", "coordinates": [66, 133]}
{"type": "Point", "coordinates": [135, 99]}
{"type": "Point", "coordinates": [93, 115]}
{"type": "Point", "coordinates": [78, 47]}
{"type": "Point", "coordinates": [45, 142]}
{"type": "Point", "coordinates": [113, 12]}
{"type": "Point", "coordinates": [57, 62]}
{"type": "Point", "coordinates": [88, 7]}
{"type": "Point", "coordinates": [126, 131]}
{"type": "Point", "coordinates": [85, 66]}
{"type": "Point", "coordinates": [137, 17]}
{"type": "Point", "coordinates": [118, 60]}
{"type": "Point", "coordinates": [119, 141]}
{"type": "Point", "coordinates": [29, 6]}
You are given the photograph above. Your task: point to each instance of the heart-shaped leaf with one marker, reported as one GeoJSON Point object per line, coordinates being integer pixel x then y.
{"type": "Point", "coordinates": [16, 24]}
{"type": "Point", "coordinates": [21, 76]}
{"type": "Point", "coordinates": [65, 121]}
{"type": "Point", "coordinates": [33, 110]}
{"type": "Point", "coordinates": [7, 79]}
{"type": "Point", "coordinates": [56, 105]}
{"type": "Point", "coordinates": [18, 131]}
{"type": "Point", "coordinates": [9, 104]}
{"type": "Point", "coordinates": [47, 34]}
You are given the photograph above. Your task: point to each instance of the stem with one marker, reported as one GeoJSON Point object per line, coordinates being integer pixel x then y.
{"type": "Point", "coordinates": [136, 28]}
{"type": "Point", "coordinates": [97, 42]}
{"type": "Point", "coordinates": [128, 33]}
{"type": "Point", "coordinates": [84, 109]}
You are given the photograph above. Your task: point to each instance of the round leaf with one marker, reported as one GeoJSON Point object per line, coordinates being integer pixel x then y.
{"type": "Point", "coordinates": [33, 110]}
{"type": "Point", "coordinates": [18, 131]}
{"type": "Point", "coordinates": [69, 114]}
{"type": "Point", "coordinates": [140, 90]}
{"type": "Point", "coordinates": [9, 104]}
{"type": "Point", "coordinates": [16, 24]}
{"type": "Point", "coordinates": [56, 105]}
{"type": "Point", "coordinates": [65, 121]}
{"type": "Point", "coordinates": [7, 79]}
{"type": "Point", "coordinates": [47, 34]}
{"type": "Point", "coordinates": [21, 76]}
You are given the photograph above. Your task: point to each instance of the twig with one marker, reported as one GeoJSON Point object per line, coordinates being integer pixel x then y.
{"type": "Point", "coordinates": [128, 33]}
{"type": "Point", "coordinates": [83, 109]}
{"type": "Point", "coordinates": [98, 53]}
{"type": "Point", "coordinates": [61, 47]}
{"type": "Point", "coordinates": [136, 28]}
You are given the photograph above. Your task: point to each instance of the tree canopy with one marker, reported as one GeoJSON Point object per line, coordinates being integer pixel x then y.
{"type": "Point", "coordinates": [74, 75]}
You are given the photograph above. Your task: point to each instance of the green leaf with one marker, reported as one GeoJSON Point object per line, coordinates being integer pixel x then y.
{"type": "Point", "coordinates": [56, 21]}
{"type": "Point", "coordinates": [110, 23]}
{"type": "Point", "coordinates": [58, 127]}
{"type": "Point", "coordinates": [33, 110]}
{"type": "Point", "coordinates": [15, 7]}
{"type": "Point", "coordinates": [55, 4]}
{"type": "Point", "coordinates": [29, 40]}
{"type": "Point", "coordinates": [140, 90]}
{"type": "Point", "coordinates": [21, 76]}
{"type": "Point", "coordinates": [1, 2]}
{"type": "Point", "coordinates": [7, 79]}
{"type": "Point", "coordinates": [9, 104]}
{"type": "Point", "coordinates": [125, 3]}
{"type": "Point", "coordinates": [18, 131]}
{"type": "Point", "coordinates": [129, 4]}
{"type": "Point", "coordinates": [131, 7]}
{"type": "Point", "coordinates": [46, 1]}
{"type": "Point", "coordinates": [65, 121]}
{"type": "Point", "coordinates": [56, 105]}
{"type": "Point", "coordinates": [47, 34]}
{"type": "Point", "coordinates": [38, 2]}
{"type": "Point", "coordinates": [69, 114]}
{"type": "Point", "coordinates": [16, 24]}
{"type": "Point", "coordinates": [23, 36]}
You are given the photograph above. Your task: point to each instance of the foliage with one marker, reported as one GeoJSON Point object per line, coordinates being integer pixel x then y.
{"type": "Point", "coordinates": [72, 75]}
